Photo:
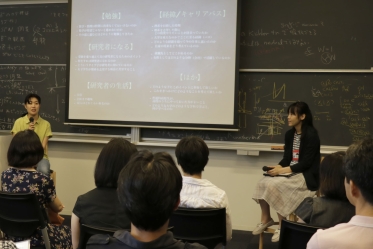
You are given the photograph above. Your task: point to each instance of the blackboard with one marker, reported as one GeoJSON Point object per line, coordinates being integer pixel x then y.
{"type": "Point", "coordinates": [33, 59]}
{"type": "Point", "coordinates": [340, 103]}
{"type": "Point", "coordinates": [33, 51]}
{"type": "Point", "coordinates": [307, 34]}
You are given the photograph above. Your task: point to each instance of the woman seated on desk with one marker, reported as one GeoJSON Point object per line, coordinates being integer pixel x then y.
{"type": "Point", "coordinates": [302, 156]}
{"type": "Point", "coordinates": [333, 206]}
{"type": "Point", "coordinates": [100, 207]}
{"type": "Point", "coordinates": [24, 152]}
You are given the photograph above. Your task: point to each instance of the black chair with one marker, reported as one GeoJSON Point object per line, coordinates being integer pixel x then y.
{"type": "Point", "coordinates": [204, 226]}
{"type": "Point", "coordinates": [87, 231]}
{"type": "Point", "coordinates": [295, 235]}
{"type": "Point", "coordinates": [21, 215]}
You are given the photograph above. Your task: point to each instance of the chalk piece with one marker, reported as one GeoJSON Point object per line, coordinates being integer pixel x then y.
{"type": "Point", "coordinates": [276, 147]}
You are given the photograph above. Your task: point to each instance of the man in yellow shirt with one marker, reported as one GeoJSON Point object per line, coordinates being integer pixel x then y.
{"type": "Point", "coordinates": [33, 121]}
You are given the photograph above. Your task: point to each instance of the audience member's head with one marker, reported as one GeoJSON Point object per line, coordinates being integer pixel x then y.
{"type": "Point", "coordinates": [358, 169]}
{"type": "Point", "coordinates": [149, 189]}
{"type": "Point", "coordinates": [113, 157]}
{"type": "Point", "coordinates": [332, 177]}
{"type": "Point", "coordinates": [25, 150]}
{"type": "Point", "coordinates": [192, 154]}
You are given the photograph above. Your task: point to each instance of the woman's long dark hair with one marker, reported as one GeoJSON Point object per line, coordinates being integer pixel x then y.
{"type": "Point", "coordinates": [299, 108]}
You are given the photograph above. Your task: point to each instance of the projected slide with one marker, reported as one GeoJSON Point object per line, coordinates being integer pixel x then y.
{"type": "Point", "coordinates": [169, 61]}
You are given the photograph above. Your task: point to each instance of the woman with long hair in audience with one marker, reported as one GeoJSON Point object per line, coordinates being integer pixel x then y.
{"type": "Point", "coordinates": [24, 153]}
{"type": "Point", "coordinates": [302, 157]}
{"type": "Point", "coordinates": [332, 207]}
{"type": "Point", "coordinates": [100, 207]}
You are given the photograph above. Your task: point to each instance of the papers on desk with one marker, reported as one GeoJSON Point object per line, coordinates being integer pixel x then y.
{"type": "Point", "coordinates": [25, 244]}
{"type": "Point", "coordinates": [284, 175]}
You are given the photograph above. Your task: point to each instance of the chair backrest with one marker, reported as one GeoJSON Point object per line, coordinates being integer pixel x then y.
{"type": "Point", "coordinates": [87, 231]}
{"type": "Point", "coordinates": [295, 235]}
{"type": "Point", "coordinates": [204, 226]}
{"type": "Point", "coordinates": [21, 215]}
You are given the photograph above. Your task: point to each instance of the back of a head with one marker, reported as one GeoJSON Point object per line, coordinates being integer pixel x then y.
{"type": "Point", "coordinates": [332, 176]}
{"type": "Point", "coordinates": [149, 189]}
{"type": "Point", "coordinates": [358, 167]}
{"type": "Point", "coordinates": [25, 150]}
{"type": "Point", "coordinates": [192, 154]}
{"type": "Point", "coordinates": [113, 157]}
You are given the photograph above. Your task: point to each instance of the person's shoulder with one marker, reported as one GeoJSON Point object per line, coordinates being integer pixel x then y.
{"type": "Point", "coordinates": [309, 201]}
{"type": "Point", "coordinates": [120, 239]}
{"type": "Point", "coordinates": [90, 194]}
{"type": "Point", "coordinates": [289, 133]}
{"type": "Point", "coordinates": [43, 121]}
{"type": "Point", "coordinates": [22, 119]}
{"type": "Point", "coordinates": [19, 123]}
{"type": "Point", "coordinates": [312, 132]}
{"type": "Point", "coordinates": [97, 195]}
{"type": "Point", "coordinates": [102, 241]}
{"type": "Point", "coordinates": [211, 188]}
{"type": "Point", "coordinates": [194, 246]}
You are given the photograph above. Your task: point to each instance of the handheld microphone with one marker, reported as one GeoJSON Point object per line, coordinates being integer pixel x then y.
{"type": "Point", "coordinates": [31, 120]}
{"type": "Point", "coordinates": [266, 168]}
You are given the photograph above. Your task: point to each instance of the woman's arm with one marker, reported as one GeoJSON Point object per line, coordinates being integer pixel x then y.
{"type": "Point", "coordinates": [45, 144]}
{"type": "Point", "coordinates": [56, 205]}
{"type": "Point", "coordinates": [75, 230]}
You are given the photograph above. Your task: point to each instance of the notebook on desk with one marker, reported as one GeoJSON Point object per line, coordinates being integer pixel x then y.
{"type": "Point", "coordinates": [283, 175]}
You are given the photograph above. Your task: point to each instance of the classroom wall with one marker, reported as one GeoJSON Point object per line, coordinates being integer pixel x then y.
{"type": "Point", "coordinates": [236, 174]}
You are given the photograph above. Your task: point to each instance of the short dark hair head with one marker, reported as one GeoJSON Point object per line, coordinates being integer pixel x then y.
{"type": "Point", "coordinates": [358, 167]}
{"type": "Point", "coordinates": [332, 177]}
{"type": "Point", "coordinates": [192, 154]}
{"type": "Point", "coordinates": [25, 150]}
{"type": "Point", "coordinates": [149, 189]}
{"type": "Point", "coordinates": [113, 157]}
{"type": "Point", "coordinates": [32, 95]}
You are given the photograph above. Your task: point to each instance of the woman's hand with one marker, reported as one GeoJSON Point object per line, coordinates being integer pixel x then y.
{"type": "Point", "coordinates": [278, 169]}
{"type": "Point", "coordinates": [31, 126]}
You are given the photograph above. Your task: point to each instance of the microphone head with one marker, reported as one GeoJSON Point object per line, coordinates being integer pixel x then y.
{"type": "Point", "coordinates": [32, 120]}
{"type": "Point", "coordinates": [266, 168]}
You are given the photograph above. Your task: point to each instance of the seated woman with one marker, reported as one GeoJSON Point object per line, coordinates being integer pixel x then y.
{"type": "Point", "coordinates": [24, 153]}
{"type": "Point", "coordinates": [333, 206]}
{"type": "Point", "coordinates": [301, 156]}
{"type": "Point", "coordinates": [100, 207]}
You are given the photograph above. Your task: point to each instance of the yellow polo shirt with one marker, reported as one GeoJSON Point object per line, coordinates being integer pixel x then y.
{"type": "Point", "coordinates": [42, 128]}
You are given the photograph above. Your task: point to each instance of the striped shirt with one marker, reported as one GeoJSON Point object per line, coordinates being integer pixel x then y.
{"type": "Point", "coordinates": [296, 145]}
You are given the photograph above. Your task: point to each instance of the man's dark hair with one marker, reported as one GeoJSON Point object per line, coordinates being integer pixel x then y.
{"type": "Point", "coordinates": [332, 177]}
{"type": "Point", "coordinates": [113, 157]}
{"type": "Point", "coordinates": [32, 95]}
{"type": "Point", "coordinates": [25, 150]}
{"type": "Point", "coordinates": [358, 167]}
{"type": "Point", "coordinates": [149, 189]}
{"type": "Point", "coordinates": [192, 154]}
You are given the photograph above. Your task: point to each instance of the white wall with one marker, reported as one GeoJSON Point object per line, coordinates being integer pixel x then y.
{"type": "Point", "coordinates": [237, 175]}
{"type": "Point", "coordinates": [4, 145]}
